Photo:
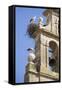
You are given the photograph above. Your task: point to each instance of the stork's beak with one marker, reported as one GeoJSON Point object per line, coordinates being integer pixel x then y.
{"type": "Point", "coordinates": [29, 49]}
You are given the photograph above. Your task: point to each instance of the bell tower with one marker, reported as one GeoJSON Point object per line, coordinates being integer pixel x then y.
{"type": "Point", "coordinates": [52, 16]}
{"type": "Point", "coordinates": [45, 65]}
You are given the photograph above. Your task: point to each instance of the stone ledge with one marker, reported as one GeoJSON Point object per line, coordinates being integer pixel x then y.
{"type": "Point", "coordinates": [44, 31]}
{"type": "Point", "coordinates": [48, 74]}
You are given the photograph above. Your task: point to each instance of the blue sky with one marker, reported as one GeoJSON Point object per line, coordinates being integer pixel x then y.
{"type": "Point", "coordinates": [23, 42]}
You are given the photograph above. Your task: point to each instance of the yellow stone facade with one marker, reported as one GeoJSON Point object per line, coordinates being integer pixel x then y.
{"type": "Point", "coordinates": [47, 36]}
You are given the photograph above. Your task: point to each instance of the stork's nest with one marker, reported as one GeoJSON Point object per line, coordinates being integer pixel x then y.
{"type": "Point", "coordinates": [31, 29]}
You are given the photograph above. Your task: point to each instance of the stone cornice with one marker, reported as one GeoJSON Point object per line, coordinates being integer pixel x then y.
{"type": "Point", "coordinates": [48, 74]}
{"type": "Point", "coordinates": [46, 32]}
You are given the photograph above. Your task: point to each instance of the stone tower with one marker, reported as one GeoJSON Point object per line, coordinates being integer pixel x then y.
{"type": "Point", "coordinates": [45, 66]}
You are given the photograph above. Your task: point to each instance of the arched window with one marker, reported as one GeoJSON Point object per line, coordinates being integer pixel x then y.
{"type": "Point", "coordinates": [53, 61]}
